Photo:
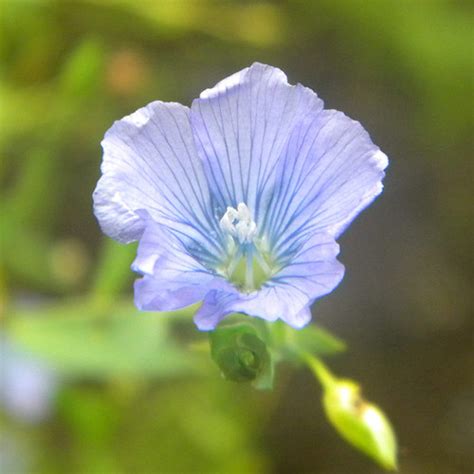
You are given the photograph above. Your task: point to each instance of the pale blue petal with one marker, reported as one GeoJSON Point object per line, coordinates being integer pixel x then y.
{"type": "Point", "coordinates": [313, 272]}
{"type": "Point", "coordinates": [241, 127]}
{"type": "Point", "coordinates": [300, 319]}
{"type": "Point", "coordinates": [153, 294]}
{"type": "Point", "coordinates": [173, 278]}
{"type": "Point", "coordinates": [330, 172]}
{"type": "Point", "coordinates": [150, 163]}
{"type": "Point", "coordinates": [216, 305]}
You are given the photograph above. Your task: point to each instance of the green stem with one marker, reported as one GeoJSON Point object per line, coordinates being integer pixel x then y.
{"type": "Point", "coordinates": [319, 369]}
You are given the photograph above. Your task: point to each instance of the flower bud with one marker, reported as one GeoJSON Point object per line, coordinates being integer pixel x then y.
{"type": "Point", "coordinates": [240, 354]}
{"type": "Point", "coordinates": [361, 423]}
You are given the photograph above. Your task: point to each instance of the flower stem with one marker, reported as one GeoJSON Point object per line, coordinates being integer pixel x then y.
{"type": "Point", "coordinates": [320, 370]}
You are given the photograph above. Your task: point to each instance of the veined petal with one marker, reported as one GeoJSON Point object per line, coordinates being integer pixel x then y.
{"type": "Point", "coordinates": [172, 277]}
{"type": "Point", "coordinates": [313, 272]}
{"type": "Point", "coordinates": [215, 306]}
{"type": "Point", "coordinates": [152, 295]}
{"type": "Point", "coordinates": [330, 172]}
{"type": "Point", "coordinates": [150, 163]}
{"type": "Point", "coordinates": [241, 127]}
{"type": "Point", "coordinates": [301, 319]}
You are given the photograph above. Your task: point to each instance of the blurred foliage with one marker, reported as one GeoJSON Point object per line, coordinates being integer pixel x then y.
{"type": "Point", "coordinates": [120, 343]}
{"type": "Point", "coordinates": [69, 69]}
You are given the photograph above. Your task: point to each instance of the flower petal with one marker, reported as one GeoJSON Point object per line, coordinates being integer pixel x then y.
{"type": "Point", "coordinates": [330, 172]}
{"type": "Point", "coordinates": [241, 126]}
{"type": "Point", "coordinates": [216, 305]}
{"type": "Point", "coordinates": [173, 278]}
{"type": "Point", "coordinates": [152, 295]}
{"type": "Point", "coordinates": [301, 319]}
{"type": "Point", "coordinates": [150, 163]}
{"type": "Point", "coordinates": [313, 272]}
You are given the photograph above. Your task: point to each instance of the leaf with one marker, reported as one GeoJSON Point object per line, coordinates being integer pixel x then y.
{"type": "Point", "coordinates": [289, 343]}
{"type": "Point", "coordinates": [316, 340]}
{"type": "Point", "coordinates": [82, 343]}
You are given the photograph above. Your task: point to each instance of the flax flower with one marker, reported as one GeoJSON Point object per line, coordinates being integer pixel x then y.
{"type": "Point", "coordinates": [238, 200]}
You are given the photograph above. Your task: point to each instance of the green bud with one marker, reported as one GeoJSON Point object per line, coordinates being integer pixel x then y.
{"type": "Point", "coordinates": [361, 423]}
{"type": "Point", "coordinates": [240, 353]}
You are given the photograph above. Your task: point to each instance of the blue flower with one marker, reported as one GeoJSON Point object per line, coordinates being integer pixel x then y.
{"type": "Point", "coordinates": [237, 201]}
{"type": "Point", "coordinates": [27, 385]}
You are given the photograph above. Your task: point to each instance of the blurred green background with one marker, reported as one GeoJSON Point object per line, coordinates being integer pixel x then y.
{"type": "Point", "coordinates": [91, 386]}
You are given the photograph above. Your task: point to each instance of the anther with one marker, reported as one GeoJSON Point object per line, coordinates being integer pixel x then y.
{"type": "Point", "coordinates": [238, 223]}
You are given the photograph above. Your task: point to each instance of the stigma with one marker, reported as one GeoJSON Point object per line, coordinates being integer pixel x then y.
{"type": "Point", "coordinates": [239, 224]}
{"type": "Point", "coordinates": [246, 262]}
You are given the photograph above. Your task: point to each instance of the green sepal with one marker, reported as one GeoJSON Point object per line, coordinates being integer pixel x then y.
{"type": "Point", "coordinates": [241, 354]}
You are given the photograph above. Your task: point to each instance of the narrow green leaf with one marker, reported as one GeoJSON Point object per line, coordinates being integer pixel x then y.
{"type": "Point", "coordinates": [317, 340]}
{"type": "Point", "coordinates": [290, 343]}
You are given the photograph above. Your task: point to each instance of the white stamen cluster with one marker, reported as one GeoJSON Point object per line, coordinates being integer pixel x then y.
{"type": "Point", "coordinates": [239, 224]}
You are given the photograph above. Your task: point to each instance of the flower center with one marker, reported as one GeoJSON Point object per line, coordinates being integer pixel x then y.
{"type": "Point", "coordinates": [238, 223]}
{"type": "Point", "coordinates": [247, 262]}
